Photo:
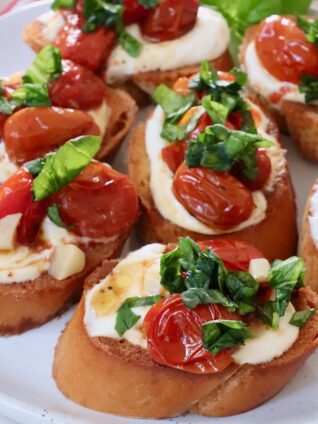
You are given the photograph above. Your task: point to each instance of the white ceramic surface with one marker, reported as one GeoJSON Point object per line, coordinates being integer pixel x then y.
{"type": "Point", "coordinates": [27, 392]}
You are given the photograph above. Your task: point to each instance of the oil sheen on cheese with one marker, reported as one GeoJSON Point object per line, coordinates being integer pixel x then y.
{"type": "Point", "coordinates": [313, 215]}
{"type": "Point", "coordinates": [136, 275]}
{"type": "Point", "coordinates": [208, 40]}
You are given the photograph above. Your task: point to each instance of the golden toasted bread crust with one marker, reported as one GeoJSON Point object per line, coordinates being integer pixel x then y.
{"type": "Point", "coordinates": [117, 377]}
{"type": "Point", "coordinates": [27, 305]}
{"type": "Point", "coordinates": [275, 236]}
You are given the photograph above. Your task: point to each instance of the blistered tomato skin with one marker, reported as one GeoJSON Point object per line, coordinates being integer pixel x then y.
{"type": "Point", "coordinates": [284, 51]}
{"type": "Point", "coordinates": [169, 20]}
{"type": "Point", "coordinates": [89, 49]}
{"type": "Point", "coordinates": [174, 336]}
{"type": "Point", "coordinates": [173, 154]}
{"type": "Point", "coordinates": [133, 12]}
{"type": "Point", "coordinates": [101, 202]}
{"type": "Point", "coordinates": [77, 88]}
{"type": "Point", "coordinates": [32, 132]}
{"type": "Point", "coordinates": [216, 199]}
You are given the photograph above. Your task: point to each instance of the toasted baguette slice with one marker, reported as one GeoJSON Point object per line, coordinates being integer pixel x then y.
{"type": "Point", "coordinates": [297, 119]}
{"type": "Point", "coordinates": [117, 377]}
{"type": "Point", "coordinates": [275, 236]}
{"type": "Point", "coordinates": [27, 305]}
{"type": "Point", "coordinates": [307, 247]}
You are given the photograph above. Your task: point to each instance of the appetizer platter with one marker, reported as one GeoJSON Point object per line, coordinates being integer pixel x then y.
{"type": "Point", "coordinates": [191, 304]}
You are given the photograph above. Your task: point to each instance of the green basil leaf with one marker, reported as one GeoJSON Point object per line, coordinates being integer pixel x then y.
{"type": "Point", "coordinates": [216, 111]}
{"type": "Point", "coordinates": [242, 288]}
{"type": "Point", "coordinates": [268, 314]}
{"type": "Point", "coordinates": [126, 318]}
{"type": "Point", "coordinates": [46, 67]}
{"type": "Point", "coordinates": [149, 4]}
{"type": "Point", "coordinates": [129, 43]}
{"type": "Point", "coordinates": [102, 13]}
{"type": "Point", "coordinates": [175, 132]}
{"type": "Point", "coordinates": [64, 165]}
{"type": "Point", "coordinates": [35, 166]}
{"type": "Point", "coordinates": [309, 87]}
{"type": "Point", "coordinates": [200, 296]}
{"type": "Point", "coordinates": [54, 215]}
{"type": "Point", "coordinates": [310, 27]}
{"type": "Point", "coordinates": [224, 334]}
{"type": "Point", "coordinates": [7, 107]}
{"type": "Point", "coordinates": [32, 95]}
{"type": "Point", "coordinates": [173, 104]}
{"type": "Point", "coordinates": [63, 4]}
{"type": "Point", "coordinates": [300, 318]}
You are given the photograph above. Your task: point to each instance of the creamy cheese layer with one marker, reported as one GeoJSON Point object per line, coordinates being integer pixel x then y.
{"type": "Point", "coordinates": [161, 179]}
{"type": "Point", "coordinates": [53, 23]}
{"type": "Point", "coordinates": [262, 82]}
{"type": "Point", "coordinates": [7, 168]}
{"type": "Point", "coordinates": [313, 215]}
{"type": "Point", "coordinates": [208, 40]}
{"type": "Point", "coordinates": [101, 116]}
{"type": "Point", "coordinates": [136, 275]}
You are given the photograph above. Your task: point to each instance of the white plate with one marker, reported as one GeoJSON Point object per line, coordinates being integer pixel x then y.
{"type": "Point", "coordinates": [27, 391]}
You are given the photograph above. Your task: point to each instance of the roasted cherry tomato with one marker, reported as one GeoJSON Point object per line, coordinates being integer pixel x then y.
{"type": "Point", "coordinates": [264, 168]}
{"type": "Point", "coordinates": [89, 49]}
{"type": "Point", "coordinates": [133, 12]}
{"type": "Point", "coordinates": [203, 122]}
{"type": "Point", "coordinates": [173, 154]}
{"type": "Point", "coordinates": [235, 254]}
{"type": "Point", "coordinates": [170, 19]}
{"type": "Point", "coordinates": [235, 121]}
{"type": "Point", "coordinates": [31, 221]}
{"type": "Point", "coordinates": [284, 51]}
{"type": "Point", "coordinates": [174, 335]}
{"type": "Point", "coordinates": [216, 199]}
{"type": "Point", "coordinates": [101, 202]}
{"type": "Point", "coordinates": [34, 131]}
{"type": "Point", "coordinates": [3, 119]}
{"type": "Point", "coordinates": [77, 88]}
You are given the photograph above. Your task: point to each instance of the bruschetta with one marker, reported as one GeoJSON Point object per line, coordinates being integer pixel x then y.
{"type": "Point", "coordinates": [280, 57]}
{"type": "Point", "coordinates": [155, 42]}
{"type": "Point", "coordinates": [55, 100]}
{"type": "Point", "coordinates": [60, 216]}
{"type": "Point", "coordinates": [208, 163]}
{"type": "Point", "coordinates": [210, 328]}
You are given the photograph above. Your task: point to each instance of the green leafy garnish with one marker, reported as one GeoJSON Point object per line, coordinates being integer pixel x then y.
{"type": "Point", "coordinates": [310, 26]}
{"type": "Point", "coordinates": [54, 215]}
{"type": "Point", "coordinates": [200, 296]}
{"type": "Point", "coordinates": [126, 318]}
{"type": "Point", "coordinates": [224, 334]}
{"type": "Point", "coordinates": [300, 318]}
{"type": "Point", "coordinates": [243, 289]}
{"type": "Point", "coordinates": [62, 166]}
{"type": "Point", "coordinates": [132, 46]}
{"type": "Point", "coordinates": [63, 4]}
{"type": "Point", "coordinates": [219, 148]}
{"type": "Point", "coordinates": [309, 86]}
{"type": "Point", "coordinates": [32, 95]}
{"type": "Point", "coordinates": [175, 132]}
{"type": "Point", "coordinates": [46, 67]}
{"type": "Point", "coordinates": [149, 4]}
{"type": "Point", "coordinates": [173, 104]}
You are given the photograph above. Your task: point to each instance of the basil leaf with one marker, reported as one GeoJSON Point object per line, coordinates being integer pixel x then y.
{"type": "Point", "coordinates": [102, 13]}
{"type": "Point", "coordinates": [268, 314]}
{"type": "Point", "coordinates": [32, 95]}
{"type": "Point", "coordinates": [63, 4]}
{"type": "Point", "coordinates": [126, 318]}
{"type": "Point", "coordinates": [310, 27]}
{"type": "Point", "coordinates": [35, 166]}
{"type": "Point", "coordinates": [173, 104]}
{"type": "Point", "coordinates": [64, 165]}
{"type": "Point", "coordinates": [218, 148]}
{"type": "Point", "coordinates": [54, 215]}
{"type": "Point", "coordinates": [129, 43]}
{"type": "Point", "coordinates": [216, 111]}
{"type": "Point", "coordinates": [7, 106]}
{"type": "Point", "coordinates": [46, 67]}
{"type": "Point", "coordinates": [149, 4]}
{"type": "Point", "coordinates": [242, 288]}
{"type": "Point", "coordinates": [300, 318]}
{"type": "Point", "coordinates": [309, 87]}
{"type": "Point", "coordinates": [223, 334]}
{"type": "Point", "coordinates": [175, 132]}
{"type": "Point", "coordinates": [200, 296]}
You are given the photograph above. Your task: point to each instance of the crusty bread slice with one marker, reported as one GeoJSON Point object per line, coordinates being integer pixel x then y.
{"type": "Point", "coordinates": [303, 131]}
{"type": "Point", "coordinates": [27, 305]}
{"type": "Point", "coordinates": [275, 236]}
{"type": "Point", "coordinates": [117, 377]}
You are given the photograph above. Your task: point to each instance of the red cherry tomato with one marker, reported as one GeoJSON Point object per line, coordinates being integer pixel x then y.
{"type": "Point", "coordinates": [101, 202]}
{"type": "Point", "coordinates": [235, 254]}
{"type": "Point", "coordinates": [203, 122]}
{"type": "Point", "coordinates": [89, 49]}
{"type": "Point", "coordinates": [216, 199]}
{"type": "Point", "coordinates": [170, 19]}
{"type": "Point", "coordinates": [34, 131]}
{"type": "Point", "coordinates": [77, 88]}
{"type": "Point", "coordinates": [31, 221]}
{"type": "Point", "coordinates": [264, 169]}
{"type": "Point", "coordinates": [173, 154]}
{"type": "Point", "coordinates": [133, 12]}
{"type": "Point", "coordinates": [235, 121]}
{"type": "Point", "coordinates": [3, 119]}
{"type": "Point", "coordinates": [284, 51]}
{"type": "Point", "coordinates": [174, 336]}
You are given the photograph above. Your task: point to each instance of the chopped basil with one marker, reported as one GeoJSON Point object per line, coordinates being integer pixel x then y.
{"type": "Point", "coordinates": [62, 166]}
{"type": "Point", "coordinates": [219, 148]}
{"type": "Point", "coordinates": [35, 166]}
{"type": "Point", "coordinates": [6, 106]}
{"type": "Point", "coordinates": [63, 4]}
{"type": "Point", "coordinates": [243, 288]}
{"type": "Point", "coordinates": [32, 95]}
{"type": "Point", "coordinates": [268, 314]}
{"type": "Point", "coordinates": [46, 67]}
{"type": "Point", "coordinates": [126, 318]}
{"type": "Point", "coordinates": [309, 87]}
{"type": "Point", "coordinates": [175, 132]}
{"type": "Point", "coordinates": [224, 334]}
{"type": "Point", "coordinates": [300, 318]}
{"type": "Point", "coordinates": [54, 215]}
{"type": "Point", "coordinates": [200, 296]}
{"type": "Point", "coordinates": [132, 46]}
{"type": "Point", "coordinates": [149, 4]}
{"type": "Point", "coordinates": [216, 111]}
{"type": "Point", "coordinates": [310, 26]}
